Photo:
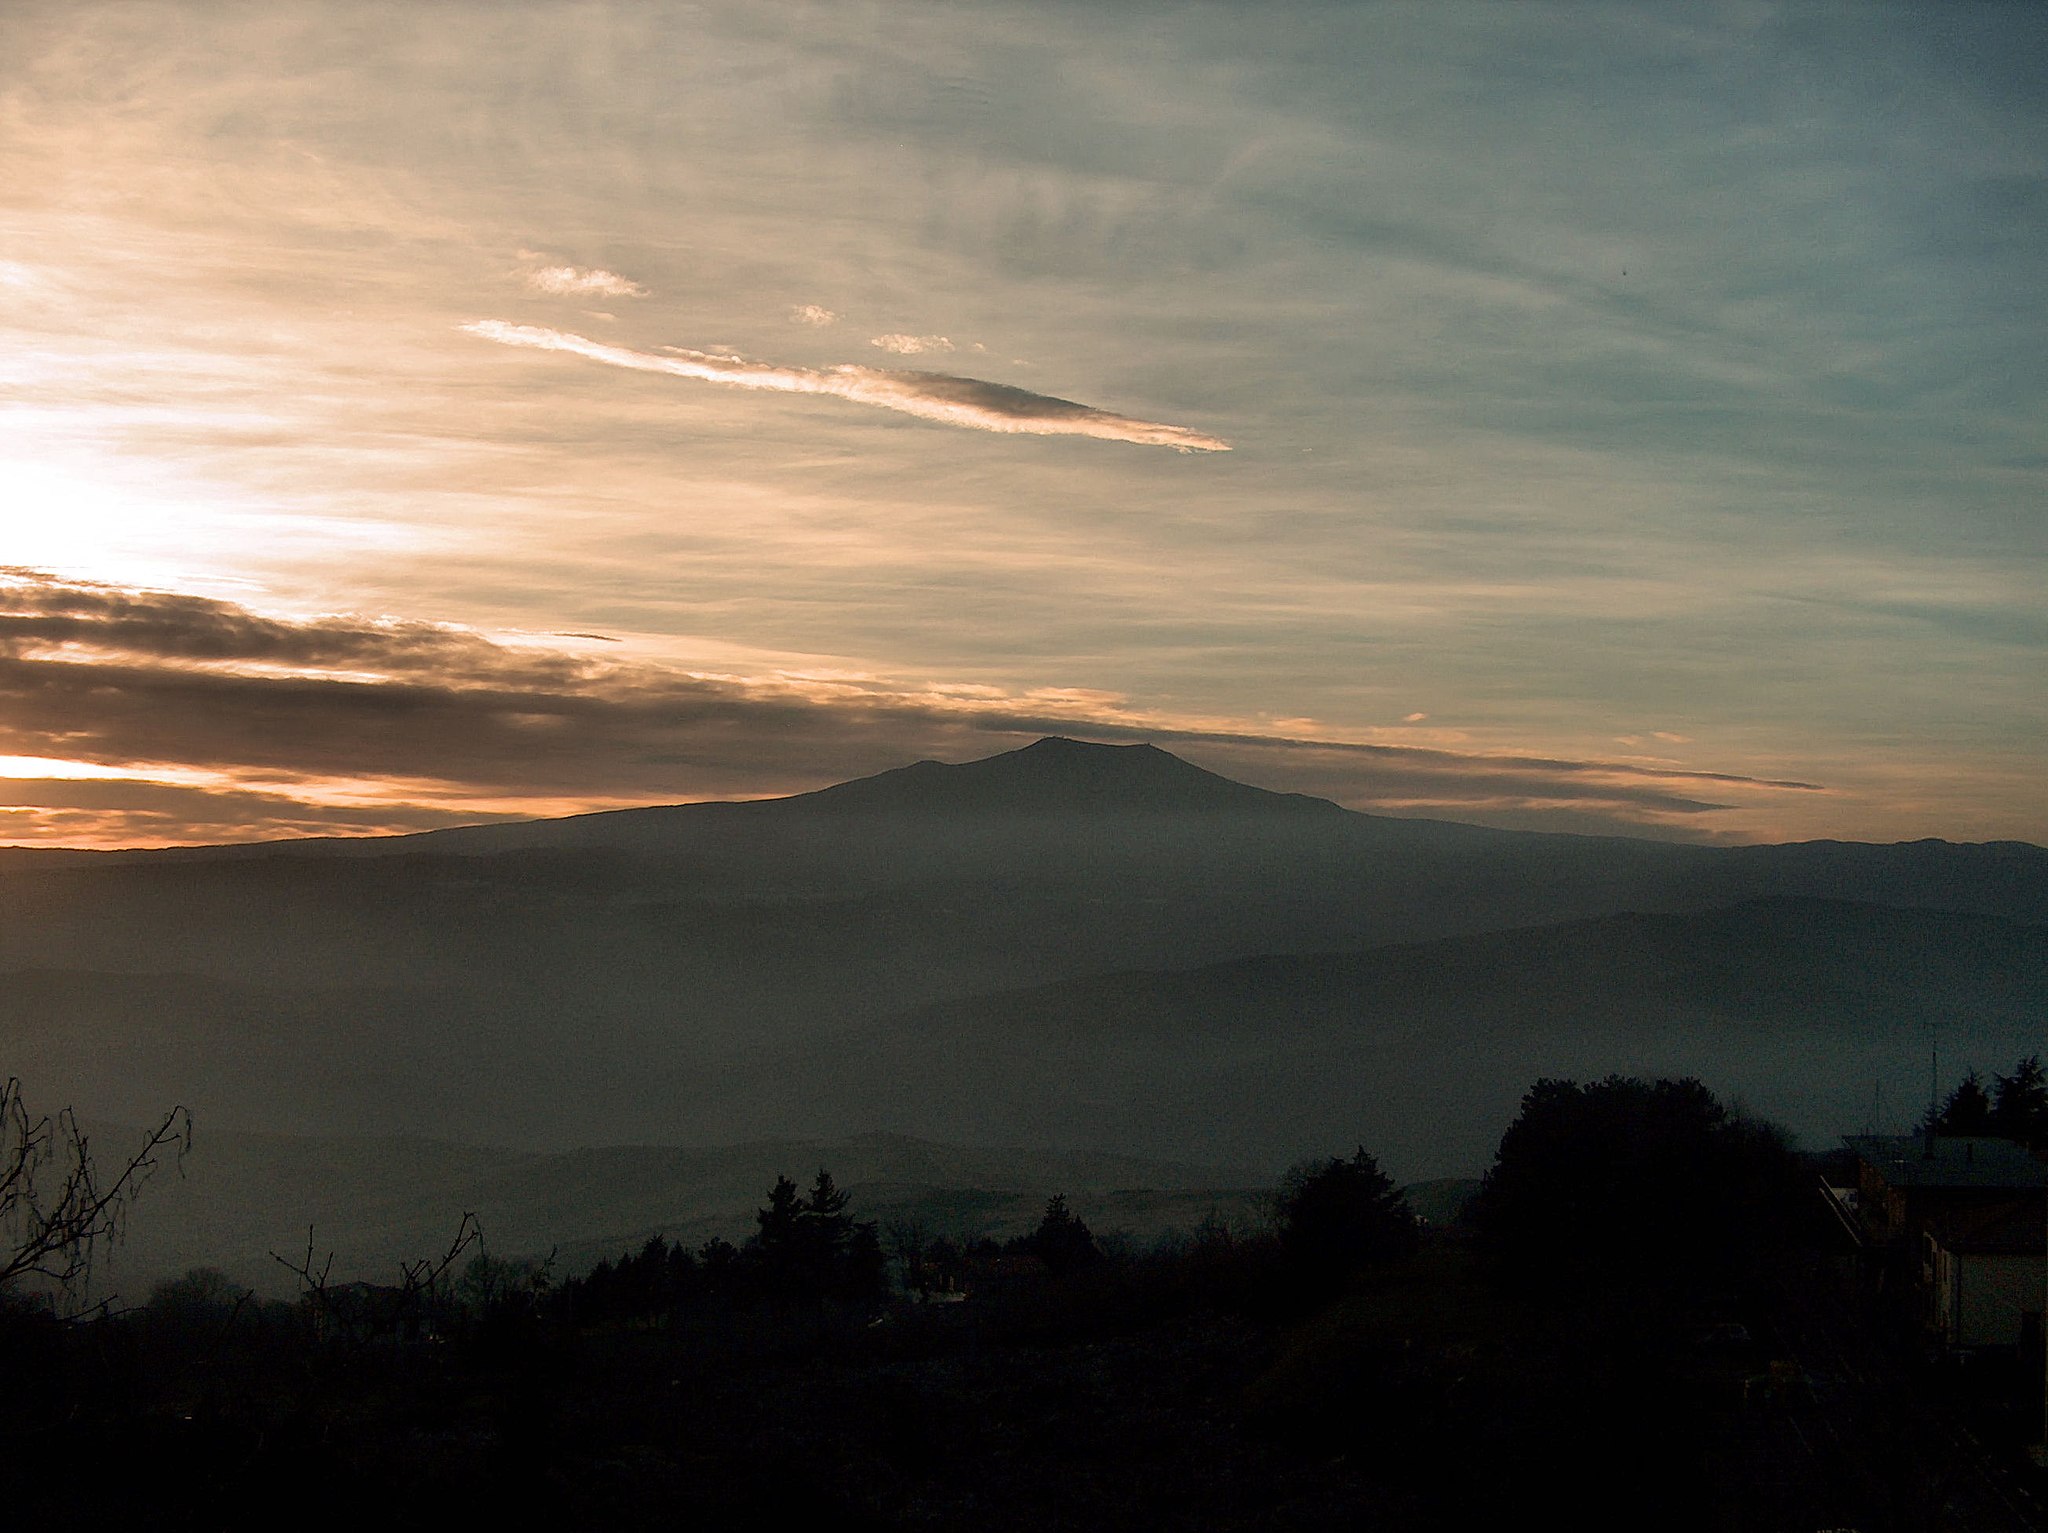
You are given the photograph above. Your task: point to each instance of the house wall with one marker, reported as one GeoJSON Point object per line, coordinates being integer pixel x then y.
{"type": "Point", "coordinates": [1980, 1301]}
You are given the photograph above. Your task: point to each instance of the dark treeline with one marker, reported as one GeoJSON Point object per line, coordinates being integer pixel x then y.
{"type": "Point", "coordinates": [2015, 1107]}
{"type": "Point", "coordinates": [808, 1249]}
{"type": "Point", "coordinates": [1611, 1332]}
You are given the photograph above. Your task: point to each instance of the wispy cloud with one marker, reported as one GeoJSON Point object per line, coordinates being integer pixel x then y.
{"type": "Point", "coordinates": [970, 402]}
{"type": "Point", "coordinates": [911, 345]}
{"type": "Point", "coordinates": [813, 314]}
{"type": "Point", "coordinates": [376, 724]}
{"type": "Point", "coordinates": [583, 282]}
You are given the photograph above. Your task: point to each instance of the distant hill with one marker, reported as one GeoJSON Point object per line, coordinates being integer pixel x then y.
{"type": "Point", "coordinates": [1418, 1050]}
{"type": "Point", "coordinates": [1799, 1008]}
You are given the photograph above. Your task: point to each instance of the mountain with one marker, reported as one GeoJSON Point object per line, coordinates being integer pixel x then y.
{"type": "Point", "coordinates": [707, 972]}
{"type": "Point", "coordinates": [1062, 811]}
{"type": "Point", "coordinates": [1057, 776]}
{"type": "Point", "coordinates": [1045, 784]}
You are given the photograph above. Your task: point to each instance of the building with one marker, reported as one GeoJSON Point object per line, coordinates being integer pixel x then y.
{"type": "Point", "coordinates": [1954, 1228]}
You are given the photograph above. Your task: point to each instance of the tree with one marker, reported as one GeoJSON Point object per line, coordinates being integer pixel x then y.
{"type": "Point", "coordinates": [1062, 1241]}
{"type": "Point", "coordinates": [1624, 1179]}
{"type": "Point", "coordinates": [777, 1220]}
{"type": "Point", "coordinates": [491, 1284]}
{"type": "Point", "coordinates": [864, 1272]}
{"type": "Point", "coordinates": [1967, 1111]}
{"type": "Point", "coordinates": [775, 1250]}
{"type": "Point", "coordinates": [2020, 1102]}
{"type": "Point", "coordinates": [824, 1231]}
{"type": "Point", "coordinates": [1335, 1216]}
{"type": "Point", "coordinates": [57, 1212]}
{"type": "Point", "coordinates": [809, 1246]}
{"type": "Point", "coordinates": [206, 1292]}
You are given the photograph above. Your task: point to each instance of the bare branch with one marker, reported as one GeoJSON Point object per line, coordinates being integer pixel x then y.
{"type": "Point", "coordinates": [56, 1233]}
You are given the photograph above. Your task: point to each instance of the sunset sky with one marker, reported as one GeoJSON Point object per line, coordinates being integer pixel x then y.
{"type": "Point", "coordinates": [1581, 417]}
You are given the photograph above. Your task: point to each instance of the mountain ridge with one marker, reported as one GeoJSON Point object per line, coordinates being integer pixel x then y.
{"type": "Point", "coordinates": [1055, 778]}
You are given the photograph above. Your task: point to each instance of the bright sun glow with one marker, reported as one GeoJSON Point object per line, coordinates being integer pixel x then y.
{"type": "Point", "coordinates": [48, 767]}
{"type": "Point", "coordinates": [93, 520]}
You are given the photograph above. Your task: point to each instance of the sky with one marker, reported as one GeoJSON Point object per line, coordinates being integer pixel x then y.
{"type": "Point", "coordinates": [1609, 418]}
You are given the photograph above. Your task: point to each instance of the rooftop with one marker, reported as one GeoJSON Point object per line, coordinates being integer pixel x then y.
{"type": "Point", "coordinates": [1958, 1161]}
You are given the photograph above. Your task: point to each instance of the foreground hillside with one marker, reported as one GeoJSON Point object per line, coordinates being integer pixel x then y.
{"type": "Point", "coordinates": [1710, 1362]}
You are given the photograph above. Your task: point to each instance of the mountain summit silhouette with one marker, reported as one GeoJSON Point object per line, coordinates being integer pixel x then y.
{"type": "Point", "coordinates": [1056, 775]}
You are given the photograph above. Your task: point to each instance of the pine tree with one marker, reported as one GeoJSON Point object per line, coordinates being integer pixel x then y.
{"type": "Point", "coordinates": [1967, 1111]}
{"type": "Point", "coordinates": [2020, 1102]}
{"type": "Point", "coordinates": [864, 1269]}
{"type": "Point", "coordinates": [777, 1248]}
{"type": "Point", "coordinates": [778, 1220]}
{"type": "Point", "coordinates": [1335, 1216]}
{"type": "Point", "coordinates": [823, 1230]}
{"type": "Point", "coordinates": [1061, 1240]}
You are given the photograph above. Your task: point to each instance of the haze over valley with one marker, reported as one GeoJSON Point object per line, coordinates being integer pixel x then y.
{"type": "Point", "coordinates": [1073, 948]}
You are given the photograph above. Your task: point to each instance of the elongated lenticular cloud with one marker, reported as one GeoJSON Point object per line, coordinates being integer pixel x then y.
{"type": "Point", "coordinates": [970, 402]}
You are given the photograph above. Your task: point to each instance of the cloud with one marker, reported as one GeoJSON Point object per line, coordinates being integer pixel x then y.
{"type": "Point", "coordinates": [364, 723]}
{"type": "Point", "coordinates": [813, 314]}
{"type": "Point", "coordinates": [136, 812]}
{"type": "Point", "coordinates": [969, 402]}
{"type": "Point", "coordinates": [1413, 718]}
{"type": "Point", "coordinates": [911, 345]}
{"type": "Point", "coordinates": [583, 282]}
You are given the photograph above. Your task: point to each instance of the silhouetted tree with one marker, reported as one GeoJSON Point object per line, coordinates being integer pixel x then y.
{"type": "Point", "coordinates": [720, 1266]}
{"type": "Point", "coordinates": [809, 1246]}
{"type": "Point", "coordinates": [1967, 1111]}
{"type": "Point", "coordinates": [1062, 1241]}
{"type": "Point", "coordinates": [57, 1212]}
{"type": "Point", "coordinates": [777, 1248]}
{"type": "Point", "coordinates": [824, 1228]}
{"type": "Point", "coordinates": [1626, 1178]}
{"type": "Point", "coordinates": [2020, 1102]}
{"type": "Point", "coordinates": [864, 1272]}
{"type": "Point", "coordinates": [203, 1293]}
{"type": "Point", "coordinates": [777, 1220]}
{"type": "Point", "coordinates": [1336, 1216]}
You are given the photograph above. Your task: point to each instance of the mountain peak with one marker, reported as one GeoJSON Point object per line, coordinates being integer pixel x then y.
{"type": "Point", "coordinates": [1058, 775]}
